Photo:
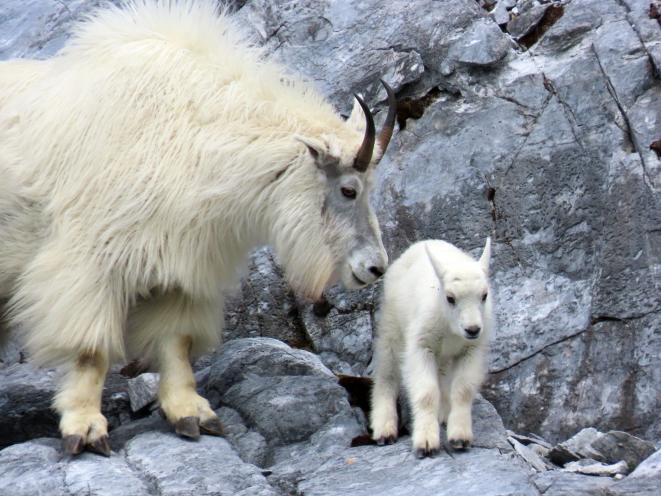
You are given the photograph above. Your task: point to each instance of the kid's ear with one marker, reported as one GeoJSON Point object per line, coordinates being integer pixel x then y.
{"type": "Point", "coordinates": [438, 269]}
{"type": "Point", "coordinates": [486, 256]}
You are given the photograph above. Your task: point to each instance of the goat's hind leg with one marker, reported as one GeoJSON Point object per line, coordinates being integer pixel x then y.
{"type": "Point", "coordinates": [167, 327]}
{"type": "Point", "coordinates": [79, 402]}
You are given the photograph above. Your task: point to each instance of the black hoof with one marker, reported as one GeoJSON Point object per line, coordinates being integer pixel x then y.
{"type": "Point", "coordinates": [382, 441]}
{"type": "Point", "coordinates": [425, 452]}
{"type": "Point", "coordinates": [212, 426]}
{"type": "Point", "coordinates": [101, 446]}
{"type": "Point", "coordinates": [188, 427]}
{"type": "Point", "coordinates": [459, 444]}
{"type": "Point", "coordinates": [73, 444]}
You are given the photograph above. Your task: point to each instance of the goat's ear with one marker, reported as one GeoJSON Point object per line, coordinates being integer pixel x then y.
{"type": "Point", "coordinates": [438, 269]}
{"type": "Point", "coordinates": [357, 117]}
{"type": "Point", "coordinates": [315, 147]}
{"type": "Point", "coordinates": [486, 256]}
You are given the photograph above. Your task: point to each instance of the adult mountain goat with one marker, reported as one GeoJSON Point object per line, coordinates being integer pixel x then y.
{"type": "Point", "coordinates": [138, 167]}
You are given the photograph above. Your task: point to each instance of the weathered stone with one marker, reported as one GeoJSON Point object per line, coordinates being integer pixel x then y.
{"type": "Point", "coordinates": [617, 445]}
{"type": "Point", "coordinates": [265, 305]}
{"type": "Point", "coordinates": [501, 13]}
{"type": "Point", "coordinates": [644, 481]}
{"type": "Point", "coordinates": [588, 466]}
{"type": "Point", "coordinates": [285, 394]}
{"type": "Point", "coordinates": [558, 483]}
{"type": "Point", "coordinates": [256, 357]}
{"type": "Point", "coordinates": [532, 458]}
{"type": "Point", "coordinates": [250, 445]}
{"type": "Point", "coordinates": [393, 470]}
{"type": "Point", "coordinates": [526, 21]}
{"type": "Point", "coordinates": [31, 468]}
{"type": "Point", "coordinates": [207, 466]}
{"type": "Point", "coordinates": [343, 336]}
{"type": "Point", "coordinates": [143, 390]}
{"type": "Point", "coordinates": [483, 44]}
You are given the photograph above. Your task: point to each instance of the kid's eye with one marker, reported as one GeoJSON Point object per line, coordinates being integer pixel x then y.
{"type": "Point", "coordinates": [348, 192]}
{"type": "Point", "coordinates": [484, 297]}
{"type": "Point", "coordinates": [451, 300]}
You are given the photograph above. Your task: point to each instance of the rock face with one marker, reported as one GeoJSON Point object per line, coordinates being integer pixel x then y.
{"type": "Point", "coordinates": [537, 134]}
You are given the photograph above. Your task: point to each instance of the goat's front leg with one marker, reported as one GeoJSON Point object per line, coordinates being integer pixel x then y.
{"type": "Point", "coordinates": [79, 403]}
{"type": "Point", "coordinates": [421, 380]}
{"type": "Point", "coordinates": [467, 378]}
{"type": "Point", "coordinates": [387, 378]}
{"type": "Point", "coordinates": [186, 410]}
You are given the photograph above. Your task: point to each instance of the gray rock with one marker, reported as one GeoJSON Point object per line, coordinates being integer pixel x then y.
{"type": "Point", "coordinates": [26, 396]}
{"type": "Point", "coordinates": [393, 470]}
{"type": "Point", "coordinates": [31, 468]}
{"type": "Point", "coordinates": [256, 357]}
{"type": "Point", "coordinates": [609, 448]}
{"type": "Point", "coordinates": [265, 305]}
{"type": "Point", "coordinates": [143, 390]}
{"type": "Point", "coordinates": [483, 44]}
{"type": "Point", "coordinates": [285, 394]}
{"type": "Point", "coordinates": [617, 445]}
{"type": "Point", "coordinates": [583, 443]}
{"type": "Point", "coordinates": [530, 456]}
{"type": "Point", "coordinates": [578, 20]}
{"type": "Point", "coordinates": [588, 466]}
{"type": "Point", "coordinates": [501, 13]}
{"type": "Point", "coordinates": [208, 466]}
{"type": "Point", "coordinates": [343, 336]}
{"type": "Point", "coordinates": [250, 445]}
{"type": "Point", "coordinates": [643, 481]}
{"type": "Point", "coordinates": [526, 21]}
{"type": "Point", "coordinates": [558, 483]}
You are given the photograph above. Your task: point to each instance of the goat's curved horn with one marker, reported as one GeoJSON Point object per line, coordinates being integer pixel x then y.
{"type": "Point", "coordinates": [389, 124]}
{"type": "Point", "coordinates": [364, 155]}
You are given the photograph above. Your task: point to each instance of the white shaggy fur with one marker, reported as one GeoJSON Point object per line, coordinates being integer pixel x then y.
{"type": "Point", "coordinates": [138, 168]}
{"type": "Point", "coordinates": [423, 339]}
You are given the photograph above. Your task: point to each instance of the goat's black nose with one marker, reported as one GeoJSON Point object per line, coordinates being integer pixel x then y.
{"type": "Point", "coordinates": [377, 271]}
{"type": "Point", "coordinates": [472, 332]}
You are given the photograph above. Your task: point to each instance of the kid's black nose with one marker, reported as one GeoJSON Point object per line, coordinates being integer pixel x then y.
{"type": "Point", "coordinates": [472, 332]}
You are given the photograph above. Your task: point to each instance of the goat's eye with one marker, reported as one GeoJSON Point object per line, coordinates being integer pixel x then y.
{"type": "Point", "coordinates": [484, 297]}
{"type": "Point", "coordinates": [451, 300]}
{"type": "Point", "coordinates": [348, 192]}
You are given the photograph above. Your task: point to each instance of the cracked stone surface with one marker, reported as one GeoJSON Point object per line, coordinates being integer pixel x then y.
{"type": "Point", "coordinates": [546, 149]}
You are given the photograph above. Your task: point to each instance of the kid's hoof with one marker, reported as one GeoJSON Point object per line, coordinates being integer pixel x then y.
{"type": "Point", "coordinates": [212, 426]}
{"type": "Point", "coordinates": [382, 441]}
{"type": "Point", "coordinates": [425, 452]}
{"type": "Point", "coordinates": [459, 444]}
{"type": "Point", "coordinates": [188, 427]}
{"type": "Point", "coordinates": [73, 444]}
{"type": "Point", "coordinates": [101, 446]}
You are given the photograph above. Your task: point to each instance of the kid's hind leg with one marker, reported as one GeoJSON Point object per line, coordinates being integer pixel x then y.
{"type": "Point", "coordinates": [169, 325]}
{"type": "Point", "coordinates": [79, 403]}
{"type": "Point", "coordinates": [387, 380]}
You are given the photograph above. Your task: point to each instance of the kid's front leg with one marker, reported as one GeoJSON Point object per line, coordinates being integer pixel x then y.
{"type": "Point", "coordinates": [421, 380]}
{"type": "Point", "coordinates": [468, 377]}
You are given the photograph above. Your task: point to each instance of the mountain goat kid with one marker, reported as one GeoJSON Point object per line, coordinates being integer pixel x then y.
{"type": "Point", "coordinates": [433, 332]}
{"type": "Point", "coordinates": [138, 168]}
